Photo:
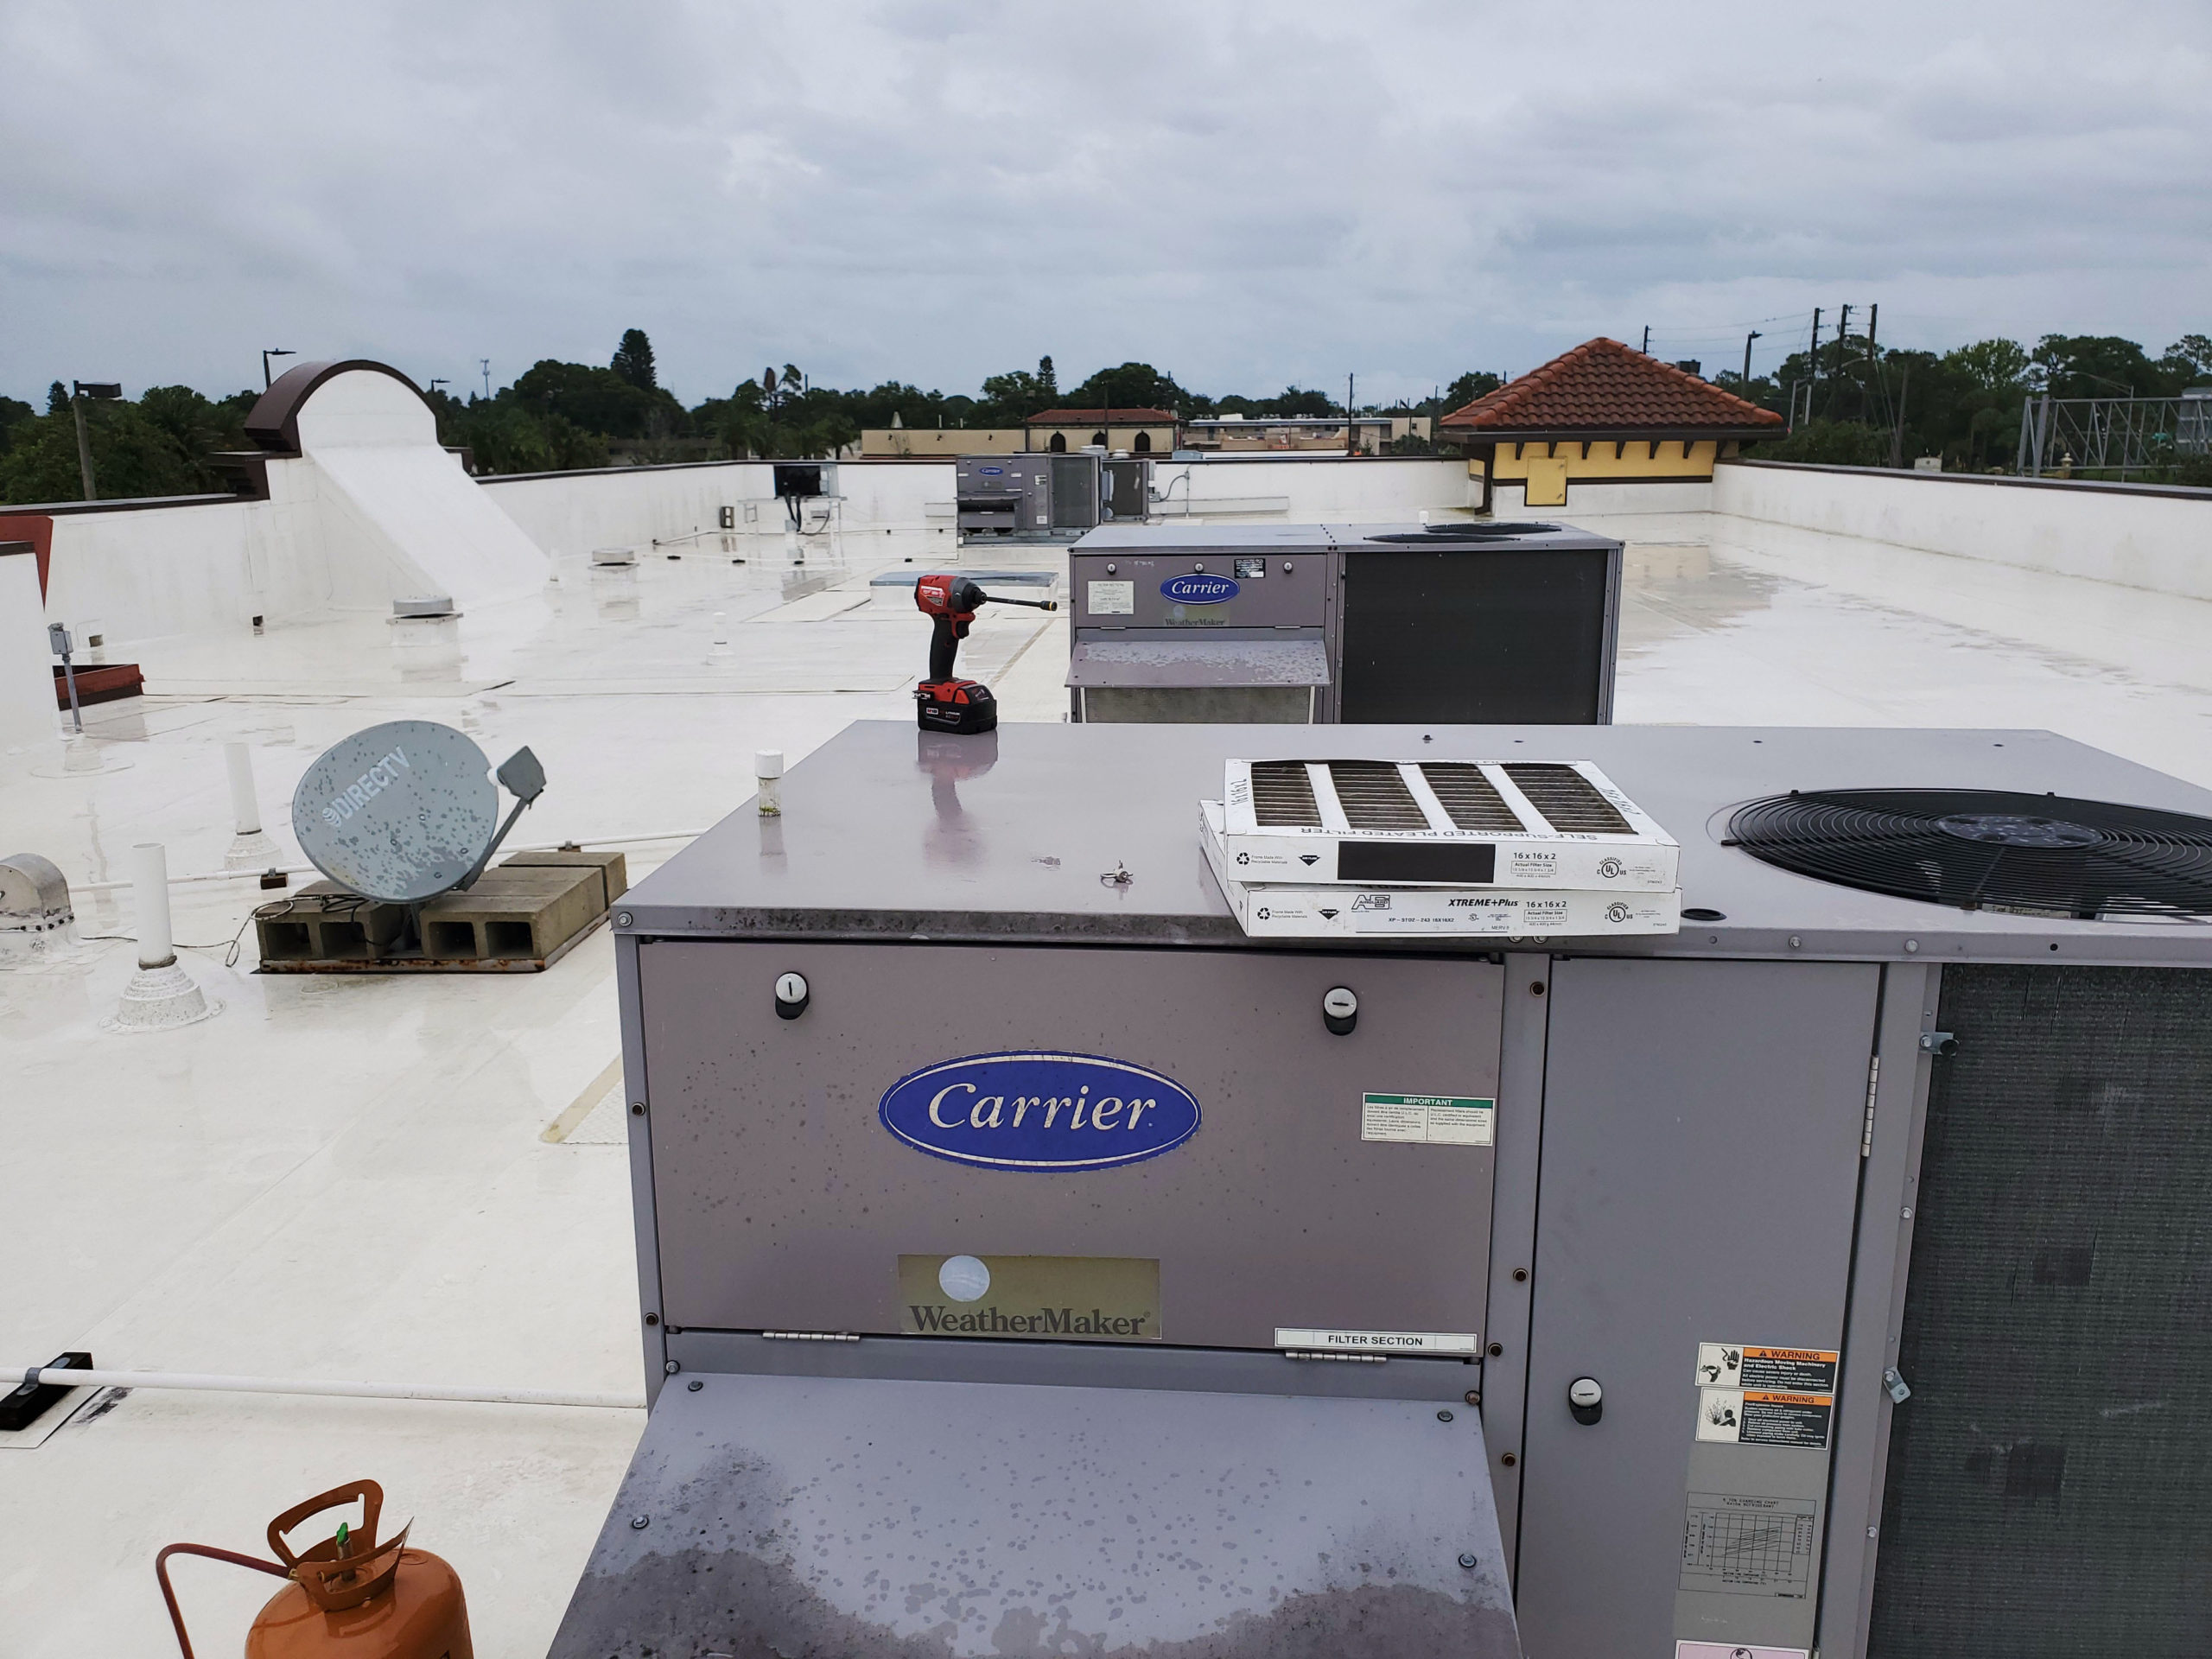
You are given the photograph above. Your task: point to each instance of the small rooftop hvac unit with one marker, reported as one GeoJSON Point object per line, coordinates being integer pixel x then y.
{"type": "Point", "coordinates": [1827, 1275]}
{"type": "Point", "coordinates": [1050, 497]}
{"type": "Point", "coordinates": [1291, 624]}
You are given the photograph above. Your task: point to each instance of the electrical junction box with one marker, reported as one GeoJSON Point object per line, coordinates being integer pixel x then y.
{"type": "Point", "coordinates": [1303, 624]}
{"type": "Point", "coordinates": [1031, 1262]}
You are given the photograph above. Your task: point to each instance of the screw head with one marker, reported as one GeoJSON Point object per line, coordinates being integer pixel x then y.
{"type": "Point", "coordinates": [1466, 1558]}
{"type": "Point", "coordinates": [672, 1367]}
{"type": "Point", "coordinates": [1535, 987]}
{"type": "Point", "coordinates": [1472, 1397]}
{"type": "Point", "coordinates": [1509, 1459]}
{"type": "Point", "coordinates": [637, 1109]}
{"type": "Point", "coordinates": [1496, 1349]}
{"type": "Point", "coordinates": [640, 1522]}
{"type": "Point", "coordinates": [652, 1319]}
{"type": "Point", "coordinates": [694, 1385]}
{"type": "Point", "coordinates": [1443, 1416]}
{"type": "Point", "coordinates": [1520, 1276]}
{"type": "Point", "coordinates": [622, 918]}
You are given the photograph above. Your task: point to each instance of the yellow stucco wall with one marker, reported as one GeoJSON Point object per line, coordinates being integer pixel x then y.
{"type": "Point", "coordinates": [942, 441]}
{"type": "Point", "coordinates": [1637, 458]}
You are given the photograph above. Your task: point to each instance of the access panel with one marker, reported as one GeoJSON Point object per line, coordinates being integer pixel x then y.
{"type": "Point", "coordinates": [840, 1518]}
{"type": "Point", "coordinates": [1695, 1215]}
{"type": "Point", "coordinates": [1135, 1145]}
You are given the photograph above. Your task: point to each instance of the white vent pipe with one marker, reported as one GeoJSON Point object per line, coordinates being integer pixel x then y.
{"type": "Point", "coordinates": [149, 894]}
{"type": "Point", "coordinates": [245, 803]}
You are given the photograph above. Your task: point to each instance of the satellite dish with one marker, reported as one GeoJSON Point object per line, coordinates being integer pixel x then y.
{"type": "Point", "coordinates": [406, 811]}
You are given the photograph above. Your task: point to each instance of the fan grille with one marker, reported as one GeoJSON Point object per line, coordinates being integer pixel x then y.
{"type": "Point", "coordinates": [1990, 850]}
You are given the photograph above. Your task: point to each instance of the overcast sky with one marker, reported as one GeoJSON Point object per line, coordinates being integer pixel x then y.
{"type": "Point", "coordinates": [1243, 193]}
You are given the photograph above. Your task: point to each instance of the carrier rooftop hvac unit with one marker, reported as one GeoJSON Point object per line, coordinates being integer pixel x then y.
{"type": "Point", "coordinates": [1297, 624]}
{"type": "Point", "coordinates": [1031, 1261]}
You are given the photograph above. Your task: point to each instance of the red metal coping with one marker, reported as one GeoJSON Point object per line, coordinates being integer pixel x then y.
{"type": "Point", "coordinates": [1603, 386]}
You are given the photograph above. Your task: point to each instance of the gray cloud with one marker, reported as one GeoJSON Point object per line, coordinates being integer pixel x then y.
{"type": "Point", "coordinates": [1246, 193]}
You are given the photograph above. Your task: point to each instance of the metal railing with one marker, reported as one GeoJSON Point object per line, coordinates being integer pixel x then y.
{"type": "Point", "coordinates": [2111, 436]}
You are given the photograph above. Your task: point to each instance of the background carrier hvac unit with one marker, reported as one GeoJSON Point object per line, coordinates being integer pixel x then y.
{"type": "Point", "coordinates": [1030, 497]}
{"type": "Point", "coordinates": [1464, 622]}
{"type": "Point", "coordinates": [1029, 1262]}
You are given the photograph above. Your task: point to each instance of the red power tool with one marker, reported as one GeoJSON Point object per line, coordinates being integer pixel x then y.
{"type": "Point", "coordinates": [943, 703]}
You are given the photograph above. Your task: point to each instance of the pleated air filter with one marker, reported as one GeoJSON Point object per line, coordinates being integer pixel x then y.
{"type": "Point", "coordinates": [1990, 850]}
{"type": "Point", "coordinates": [1473, 823]}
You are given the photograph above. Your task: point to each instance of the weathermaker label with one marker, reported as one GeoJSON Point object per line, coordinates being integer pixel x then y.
{"type": "Point", "coordinates": [1030, 1298]}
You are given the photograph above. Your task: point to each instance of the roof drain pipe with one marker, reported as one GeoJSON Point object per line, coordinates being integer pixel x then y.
{"type": "Point", "coordinates": [198, 1382]}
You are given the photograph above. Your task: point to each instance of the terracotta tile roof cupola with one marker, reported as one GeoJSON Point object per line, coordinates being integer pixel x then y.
{"type": "Point", "coordinates": [1605, 389]}
{"type": "Point", "coordinates": [1096, 417]}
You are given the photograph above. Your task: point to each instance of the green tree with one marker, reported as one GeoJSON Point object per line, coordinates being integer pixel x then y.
{"type": "Point", "coordinates": [634, 361]}
{"type": "Point", "coordinates": [13, 410]}
{"type": "Point", "coordinates": [2099, 366]}
{"type": "Point", "coordinates": [1469, 386]}
{"type": "Point", "coordinates": [134, 455]}
{"type": "Point", "coordinates": [1834, 443]}
{"type": "Point", "coordinates": [2188, 359]}
{"type": "Point", "coordinates": [1130, 386]}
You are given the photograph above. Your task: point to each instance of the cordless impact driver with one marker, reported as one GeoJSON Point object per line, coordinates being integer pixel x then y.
{"type": "Point", "coordinates": [943, 703]}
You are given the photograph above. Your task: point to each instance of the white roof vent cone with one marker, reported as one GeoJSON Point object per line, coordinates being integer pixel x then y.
{"type": "Point", "coordinates": [160, 996]}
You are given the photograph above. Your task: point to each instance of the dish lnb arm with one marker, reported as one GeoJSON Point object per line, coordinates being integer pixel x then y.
{"type": "Point", "coordinates": [525, 780]}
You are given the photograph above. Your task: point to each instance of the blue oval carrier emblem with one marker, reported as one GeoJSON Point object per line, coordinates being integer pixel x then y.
{"type": "Point", "coordinates": [1039, 1111]}
{"type": "Point", "coordinates": [1200, 590]}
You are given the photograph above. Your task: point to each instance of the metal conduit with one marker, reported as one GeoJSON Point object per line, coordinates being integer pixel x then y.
{"type": "Point", "coordinates": [64, 1376]}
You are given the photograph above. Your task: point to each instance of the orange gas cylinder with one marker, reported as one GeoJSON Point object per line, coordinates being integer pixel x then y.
{"type": "Point", "coordinates": [352, 1596]}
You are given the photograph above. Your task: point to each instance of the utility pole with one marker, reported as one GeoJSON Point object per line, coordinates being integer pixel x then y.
{"type": "Point", "coordinates": [1647, 339]}
{"type": "Point", "coordinates": [1815, 380]}
{"type": "Point", "coordinates": [1746, 388]}
{"type": "Point", "coordinates": [1873, 322]}
{"type": "Point", "coordinates": [106, 390]}
{"type": "Point", "coordinates": [1351, 426]}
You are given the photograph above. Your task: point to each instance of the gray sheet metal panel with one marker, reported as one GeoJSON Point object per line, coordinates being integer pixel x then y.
{"type": "Point", "coordinates": [1889, 1180]}
{"type": "Point", "coordinates": [643, 1221]}
{"type": "Point", "coordinates": [1121, 661]}
{"type": "Point", "coordinates": [783, 1204]}
{"type": "Point", "coordinates": [869, 845]}
{"type": "Point", "coordinates": [818, 1518]}
{"type": "Point", "coordinates": [1513, 1229]}
{"type": "Point", "coordinates": [1700, 1165]}
{"type": "Point", "coordinates": [1079, 1365]}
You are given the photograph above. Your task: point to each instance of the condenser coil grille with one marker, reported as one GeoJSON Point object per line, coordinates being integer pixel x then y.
{"type": "Point", "coordinates": [1566, 800]}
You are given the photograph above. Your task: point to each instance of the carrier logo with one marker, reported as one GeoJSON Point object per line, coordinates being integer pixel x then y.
{"type": "Point", "coordinates": [1200, 590]}
{"type": "Point", "coordinates": [1039, 1111]}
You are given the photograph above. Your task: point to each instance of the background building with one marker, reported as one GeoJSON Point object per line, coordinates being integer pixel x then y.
{"type": "Point", "coordinates": [1139, 431]}
{"type": "Point", "coordinates": [1602, 413]}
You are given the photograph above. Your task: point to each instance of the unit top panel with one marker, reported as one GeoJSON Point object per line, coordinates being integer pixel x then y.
{"type": "Point", "coordinates": [1088, 834]}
